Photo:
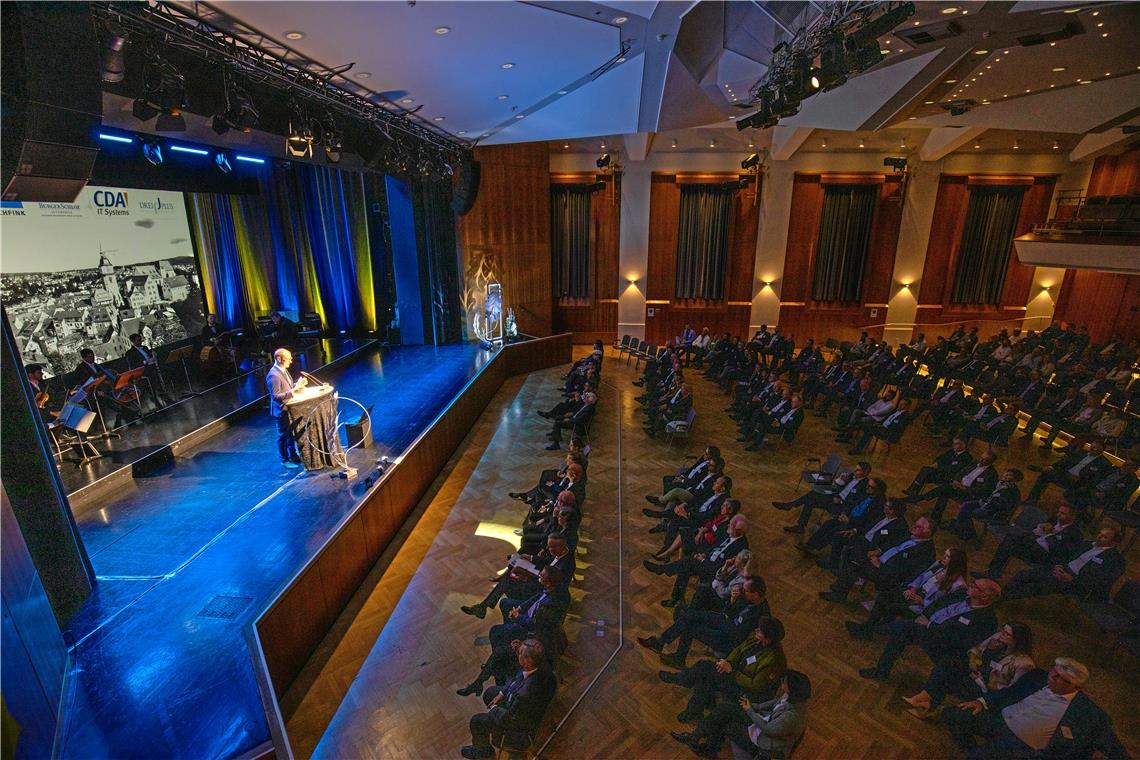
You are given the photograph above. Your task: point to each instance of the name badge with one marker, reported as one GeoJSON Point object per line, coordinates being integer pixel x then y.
{"type": "Point", "coordinates": [884, 531]}
{"type": "Point", "coordinates": [1067, 732]}
{"type": "Point", "coordinates": [1098, 560]}
{"type": "Point", "coordinates": [964, 620]}
{"type": "Point", "coordinates": [751, 660]}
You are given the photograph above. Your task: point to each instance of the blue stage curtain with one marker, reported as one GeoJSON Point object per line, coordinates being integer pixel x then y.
{"type": "Point", "coordinates": [301, 245]}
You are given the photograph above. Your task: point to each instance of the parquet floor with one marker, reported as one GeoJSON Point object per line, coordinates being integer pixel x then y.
{"type": "Point", "coordinates": [404, 647]}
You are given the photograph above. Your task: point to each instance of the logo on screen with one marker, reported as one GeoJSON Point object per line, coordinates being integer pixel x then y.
{"type": "Point", "coordinates": [157, 205]}
{"type": "Point", "coordinates": [11, 208]}
{"type": "Point", "coordinates": [110, 199]}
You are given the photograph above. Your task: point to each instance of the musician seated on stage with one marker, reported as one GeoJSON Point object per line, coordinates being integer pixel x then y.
{"type": "Point", "coordinates": [212, 331]}
{"type": "Point", "coordinates": [35, 373]}
{"type": "Point", "coordinates": [281, 331]}
{"type": "Point", "coordinates": [281, 388]}
{"type": "Point", "coordinates": [89, 369]}
{"type": "Point", "coordinates": [140, 355]}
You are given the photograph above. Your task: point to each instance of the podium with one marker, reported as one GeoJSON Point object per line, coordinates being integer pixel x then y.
{"type": "Point", "coordinates": [312, 419]}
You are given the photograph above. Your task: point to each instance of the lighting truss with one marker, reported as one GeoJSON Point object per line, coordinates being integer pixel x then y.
{"type": "Point", "coordinates": [201, 29]}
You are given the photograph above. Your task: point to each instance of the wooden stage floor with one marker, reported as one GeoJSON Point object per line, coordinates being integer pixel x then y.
{"type": "Point", "coordinates": [384, 682]}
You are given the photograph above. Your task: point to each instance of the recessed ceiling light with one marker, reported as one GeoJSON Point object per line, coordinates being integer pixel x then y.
{"type": "Point", "coordinates": [1099, 25]}
{"type": "Point", "coordinates": [461, 132]}
{"type": "Point", "coordinates": [408, 100]}
{"type": "Point", "coordinates": [521, 115]}
{"type": "Point", "coordinates": [294, 35]}
{"type": "Point", "coordinates": [438, 118]}
{"type": "Point", "coordinates": [620, 19]}
{"type": "Point", "coordinates": [507, 65]}
{"type": "Point", "coordinates": [1058, 68]}
{"type": "Point", "coordinates": [562, 92]}
{"type": "Point", "coordinates": [362, 74]}
{"type": "Point", "coordinates": [442, 30]}
{"type": "Point", "coordinates": [980, 52]}
{"type": "Point", "coordinates": [951, 81]}
{"type": "Point", "coordinates": [621, 60]}
{"type": "Point", "coordinates": [1105, 34]}
{"type": "Point", "coordinates": [502, 97]}
{"type": "Point", "coordinates": [949, 9]}
{"type": "Point", "coordinates": [565, 145]}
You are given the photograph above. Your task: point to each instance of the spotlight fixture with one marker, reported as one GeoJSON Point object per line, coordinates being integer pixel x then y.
{"type": "Point", "coordinates": [164, 96]}
{"type": "Point", "coordinates": [114, 64]}
{"type": "Point", "coordinates": [898, 163]}
{"type": "Point", "coordinates": [240, 113]}
{"type": "Point", "coordinates": [223, 163]}
{"type": "Point", "coordinates": [603, 161]}
{"type": "Point", "coordinates": [333, 141]}
{"type": "Point", "coordinates": [832, 63]}
{"type": "Point", "coordinates": [751, 161]}
{"type": "Point", "coordinates": [152, 152]}
{"type": "Point", "coordinates": [299, 142]}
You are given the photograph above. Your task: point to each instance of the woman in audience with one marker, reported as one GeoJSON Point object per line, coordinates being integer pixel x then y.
{"type": "Point", "coordinates": [993, 664]}
{"type": "Point", "coordinates": [946, 577]}
{"type": "Point", "coordinates": [705, 537]}
{"type": "Point", "coordinates": [764, 730]}
{"type": "Point", "coordinates": [728, 584]}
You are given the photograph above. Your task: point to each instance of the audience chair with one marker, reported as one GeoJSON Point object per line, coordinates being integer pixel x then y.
{"type": "Point", "coordinates": [648, 354]}
{"type": "Point", "coordinates": [680, 428]}
{"type": "Point", "coordinates": [622, 346]}
{"type": "Point", "coordinates": [512, 744]}
{"type": "Point", "coordinates": [823, 474]}
{"type": "Point", "coordinates": [1027, 519]}
{"type": "Point", "coordinates": [635, 350]}
{"type": "Point", "coordinates": [1121, 614]}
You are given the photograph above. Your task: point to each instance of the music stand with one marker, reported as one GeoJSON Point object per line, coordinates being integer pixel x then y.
{"type": "Point", "coordinates": [179, 356]}
{"type": "Point", "coordinates": [78, 419]}
{"type": "Point", "coordinates": [91, 388]}
{"type": "Point", "coordinates": [130, 378]}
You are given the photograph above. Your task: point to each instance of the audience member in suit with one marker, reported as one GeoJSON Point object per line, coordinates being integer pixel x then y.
{"type": "Point", "coordinates": [888, 567]}
{"type": "Point", "coordinates": [945, 466]}
{"type": "Point", "coordinates": [996, 430]}
{"type": "Point", "coordinates": [699, 486]}
{"type": "Point", "coordinates": [971, 482]}
{"type": "Point", "coordinates": [703, 565]}
{"type": "Point", "coordinates": [890, 429]}
{"type": "Point", "coordinates": [1053, 410]}
{"type": "Point", "coordinates": [140, 355]}
{"type": "Point", "coordinates": [1078, 469]}
{"type": "Point", "coordinates": [944, 578]}
{"type": "Point", "coordinates": [767, 729]}
{"type": "Point", "coordinates": [687, 518]}
{"type": "Point", "coordinates": [997, 507]}
{"type": "Point", "coordinates": [690, 473]}
{"type": "Point", "coordinates": [539, 617]}
{"type": "Point", "coordinates": [1081, 422]}
{"type": "Point", "coordinates": [722, 629]}
{"type": "Point", "coordinates": [1089, 574]}
{"type": "Point", "coordinates": [1043, 714]}
{"type": "Point", "coordinates": [1111, 492]}
{"type": "Point", "coordinates": [281, 389]}
{"type": "Point", "coordinates": [687, 537]}
{"type": "Point", "coordinates": [890, 529]}
{"type": "Point", "coordinates": [516, 584]}
{"type": "Point", "coordinates": [946, 629]}
{"type": "Point", "coordinates": [854, 519]}
{"type": "Point", "coordinates": [577, 422]}
{"type": "Point", "coordinates": [991, 666]}
{"type": "Point", "coordinates": [1050, 543]}
{"type": "Point", "coordinates": [753, 669]}
{"type": "Point", "coordinates": [848, 488]}
{"type": "Point", "coordinates": [518, 706]}
{"type": "Point", "coordinates": [785, 423]}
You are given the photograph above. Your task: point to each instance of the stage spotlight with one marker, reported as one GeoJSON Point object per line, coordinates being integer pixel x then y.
{"type": "Point", "coordinates": [799, 83]}
{"type": "Point", "coordinates": [333, 141]}
{"type": "Point", "coordinates": [603, 161]}
{"type": "Point", "coordinates": [832, 63]}
{"type": "Point", "coordinates": [164, 95]}
{"type": "Point", "coordinates": [114, 63]}
{"type": "Point", "coordinates": [152, 152]}
{"type": "Point", "coordinates": [223, 163]}
{"type": "Point", "coordinates": [751, 161]}
{"type": "Point", "coordinates": [240, 113]}
{"type": "Point", "coordinates": [299, 143]}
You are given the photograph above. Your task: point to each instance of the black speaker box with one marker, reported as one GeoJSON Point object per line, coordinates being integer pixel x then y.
{"type": "Point", "coordinates": [467, 188]}
{"type": "Point", "coordinates": [52, 101]}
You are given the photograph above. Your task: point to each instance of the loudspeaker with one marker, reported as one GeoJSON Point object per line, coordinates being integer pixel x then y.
{"type": "Point", "coordinates": [467, 188]}
{"type": "Point", "coordinates": [52, 100]}
{"type": "Point", "coordinates": [359, 432]}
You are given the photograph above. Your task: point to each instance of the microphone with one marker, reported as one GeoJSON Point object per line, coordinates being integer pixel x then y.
{"type": "Point", "coordinates": [310, 377]}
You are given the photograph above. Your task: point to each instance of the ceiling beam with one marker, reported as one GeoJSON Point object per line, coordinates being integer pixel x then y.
{"type": "Point", "coordinates": [787, 140]}
{"type": "Point", "coordinates": [637, 146]}
{"type": "Point", "coordinates": [660, 38]}
{"type": "Point", "coordinates": [945, 140]}
{"type": "Point", "coordinates": [1097, 144]}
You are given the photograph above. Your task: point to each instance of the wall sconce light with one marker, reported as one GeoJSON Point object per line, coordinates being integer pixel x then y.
{"type": "Point", "coordinates": [631, 279]}
{"type": "Point", "coordinates": [905, 285]}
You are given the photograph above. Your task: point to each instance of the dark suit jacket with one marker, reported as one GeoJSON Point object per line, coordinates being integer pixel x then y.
{"type": "Point", "coordinates": [983, 485]}
{"type": "Point", "coordinates": [1093, 473]}
{"type": "Point", "coordinates": [1095, 579]}
{"type": "Point", "coordinates": [951, 462]}
{"type": "Point", "coordinates": [953, 636]}
{"type": "Point", "coordinates": [905, 565]}
{"type": "Point", "coordinates": [525, 700]}
{"type": "Point", "coordinates": [788, 430]}
{"type": "Point", "coordinates": [280, 386]}
{"type": "Point", "coordinates": [135, 357]}
{"type": "Point", "coordinates": [1088, 725]}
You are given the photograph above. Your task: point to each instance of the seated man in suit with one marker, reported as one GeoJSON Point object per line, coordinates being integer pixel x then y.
{"type": "Point", "coordinates": [947, 629]}
{"type": "Point", "coordinates": [1051, 410]}
{"type": "Point", "coordinates": [723, 630]}
{"type": "Point", "coordinates": [1079, 423]}
{"type": "Point", "coordinates": [697, 486]}
{"type": "Point", "coordinates": [889, 567]}
{"type": "Point", "coordinates": [848, 488]}
{"type": "Point", "coordinates": [890, 429]}
{"type": "Point", "coordinates": [1111, 492]}
{"type": "Point", "coordinates": [703, 565]}
{"type": "Point", "coordinates": [784, 422]}
{"type": "Point", "coordinates": [874, 413]}
{"type": "Point", "coordinates": [945, 466]}
{"type": "Point", "coordinates": [518, 706]}
{"type": "Point", "coordinates": [997, 507]}
{"type": "Point", "coordinates": [139, 355]}
{"type": "Point", "coordinates": [677, 407]}
{"type": "Point", "coordinates": [577, 422]}
{"type": "Point", "coordinates": [1079, 469]}
{"type": "Point", "coordinates": [753, 669]}
{"type": "Point", "coordinates": [538, 617]}
{"type": "Point", "coordinates": [1039, 715]}
{"type": "Point", "coordinates": [970, 483]}
{"type": "Point", "coordinates": [1049, 543]}
{"type": "Point", "coordinates": [1089, 574]}
{"type": "Point", "coordinates": [850, 541]}
{"type": "Point", "coordinates": [690, 472]}
{"type": "Point", "coordinates": [996, 430]}
{"type": "Point", "coordinates": [920, 596]}
{"type": "Point", "coordinates": [687, 518]}
{"type": "Point", "coordinates": [516, 584]}
{"type": "Point", "coordinates": [854, 519]}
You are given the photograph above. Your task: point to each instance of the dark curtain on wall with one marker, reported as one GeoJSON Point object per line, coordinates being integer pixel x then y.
{"type": "Point", "coordinates": [702, 240]}
{"type": "Point", "coordinates": [844, 235]}
{"type": "Point", "coordinates": [435, 240]}
{"type": "Point", "coordinates": [987, 241]}
{"type": "Point", "coordinates": [570, 240]}
{"type": "Point", "coordinates": [302, 245]}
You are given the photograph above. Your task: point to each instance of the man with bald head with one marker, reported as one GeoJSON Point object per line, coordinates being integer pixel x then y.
{"type": "Point", "coordinates": [1041, 714]}
{"type": "Point", "coordinates": [281, 388]}
{"type": "Point", "coordinates": [946, 630]}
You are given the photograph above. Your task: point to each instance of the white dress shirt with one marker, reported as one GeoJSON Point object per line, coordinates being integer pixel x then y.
{"type": "Point", "coordinates": [1034, 719]}
{"type": "Point", "coordinates": [1090, 555]}
{"type": "Point", "coordinates": [973, 475]}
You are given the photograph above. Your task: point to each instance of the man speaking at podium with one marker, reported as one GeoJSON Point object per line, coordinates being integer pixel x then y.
{"type": "Point", "coordinates": [281, 389]}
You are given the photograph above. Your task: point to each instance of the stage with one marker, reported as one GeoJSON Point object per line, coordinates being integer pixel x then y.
{"type": "Point", "coordinates": [187, 554]}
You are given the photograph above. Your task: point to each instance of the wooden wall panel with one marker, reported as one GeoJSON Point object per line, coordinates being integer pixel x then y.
{"type": "Point", "coordinates": [595, 318]}
{"type": "Point", "coordinates": [945, 232]}
{"type": "Point", "coordinates": [670, 315]}
{"type": "Point", "coordinates": [802, 318]}
{"type": "Point", "coordinates": [1116, 175]}
{"type": "Point", "coordinates": [1108, 303]}
{"type": "Point", "coordinates": [508, 230]}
